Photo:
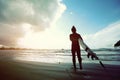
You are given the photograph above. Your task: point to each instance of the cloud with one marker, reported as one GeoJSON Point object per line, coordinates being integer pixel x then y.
{"type": "Point", "coordinates": [40, 14]}
{"type": "Point", "coordinates": [9, 34]}
{"type": "Point", "coordinates": [104, 38]}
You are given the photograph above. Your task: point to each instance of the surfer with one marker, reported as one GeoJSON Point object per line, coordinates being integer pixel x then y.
{"type": "Point", "coordinates": [75, 48]}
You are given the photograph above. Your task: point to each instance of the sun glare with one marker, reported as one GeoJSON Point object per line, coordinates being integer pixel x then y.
{"type": "Point", "coordinates": [48, 39]}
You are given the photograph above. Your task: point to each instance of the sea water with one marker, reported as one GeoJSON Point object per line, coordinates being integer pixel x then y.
{"type": "Point", "coordinates": [59, 55]}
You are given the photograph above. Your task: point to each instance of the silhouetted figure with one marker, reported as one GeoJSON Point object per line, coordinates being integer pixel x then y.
{"type": "Point", "coordinates": [75, 48]}
{"type": "Point", "coordinates": [117, 44]}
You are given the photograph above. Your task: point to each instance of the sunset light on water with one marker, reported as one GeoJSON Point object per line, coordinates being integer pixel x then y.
{"type": "Point", "coordinates": [41, 57]}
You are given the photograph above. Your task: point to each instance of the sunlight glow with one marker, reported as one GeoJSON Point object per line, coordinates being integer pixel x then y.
{"type": "Point", "coordinates": [48, 39]}
{"type": "Point", "coordinates": [26, 27]}
{"type": "Point", "coordinates": [37, 57]}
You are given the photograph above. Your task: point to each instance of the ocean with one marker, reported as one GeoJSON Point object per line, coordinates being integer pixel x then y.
{"type": "Point", "coordinates": [109, 56]}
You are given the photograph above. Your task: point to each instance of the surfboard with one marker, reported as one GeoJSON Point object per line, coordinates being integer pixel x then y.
{"type": "Point", "coordinates": [90, 52]}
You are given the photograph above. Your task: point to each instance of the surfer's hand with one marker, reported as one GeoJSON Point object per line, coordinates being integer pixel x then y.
{"type": "Point", "coordinates": [88, 55]}
{"type": "Point", "coordinates": [92, 55]}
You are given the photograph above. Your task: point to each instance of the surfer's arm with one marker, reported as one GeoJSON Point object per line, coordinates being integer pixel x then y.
{"type": "Point", "coordinates": [70, 37]}
{"type": "Point", "coordinates": [80, 37]}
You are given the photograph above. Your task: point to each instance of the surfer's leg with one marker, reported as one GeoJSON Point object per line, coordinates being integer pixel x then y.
{"type": "Point", "coordinates": [79, 58]}
{"type": "Point", "coordinates": [73, 59]}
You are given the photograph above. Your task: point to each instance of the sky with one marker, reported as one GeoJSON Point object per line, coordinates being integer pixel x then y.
{"type": "Point", "coordinates": [46, 24]}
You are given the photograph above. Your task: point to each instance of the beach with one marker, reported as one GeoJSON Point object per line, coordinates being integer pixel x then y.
{"type": "Point", "coordinates": [18, 70]}
{"type": "Point", "coordinates": [12, 68]}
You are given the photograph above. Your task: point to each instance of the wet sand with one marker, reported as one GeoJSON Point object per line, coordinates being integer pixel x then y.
{"type": "Point", "coordinates": [28, 70]}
